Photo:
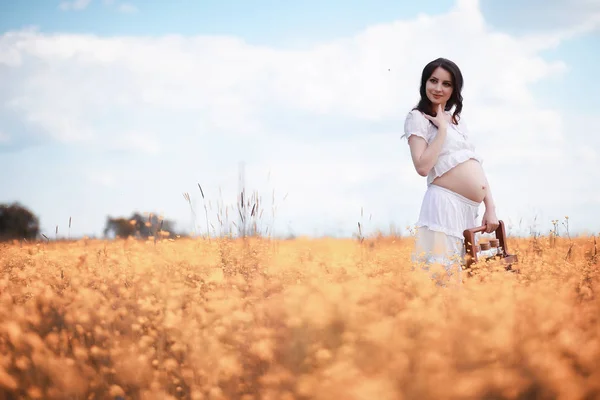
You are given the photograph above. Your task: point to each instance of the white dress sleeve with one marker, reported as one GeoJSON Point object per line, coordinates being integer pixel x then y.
{"type": "Point", "coordinates": [416, 124]}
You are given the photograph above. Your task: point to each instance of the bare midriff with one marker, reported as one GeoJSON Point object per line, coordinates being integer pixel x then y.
{"type": "Point", "coordinates": [466, 179]}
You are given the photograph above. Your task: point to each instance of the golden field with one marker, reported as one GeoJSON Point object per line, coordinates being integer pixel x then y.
{"type": "Point", "coordinates": [296, 319]}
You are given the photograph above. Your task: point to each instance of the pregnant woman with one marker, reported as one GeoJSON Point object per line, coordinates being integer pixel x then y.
{"type": "Point", "coordinates": [441, 150]}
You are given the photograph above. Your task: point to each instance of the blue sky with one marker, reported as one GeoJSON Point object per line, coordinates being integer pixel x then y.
{"type": "Point", "coordinates": [258, 22]}
{"type": "Point", "coordinates": [115, 107]}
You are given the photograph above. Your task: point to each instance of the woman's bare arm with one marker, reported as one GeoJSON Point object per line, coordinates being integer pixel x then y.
{"type": "Point", "coordinates": [424, 156]}
{"type": "Point", "coordinates": [489, 217]}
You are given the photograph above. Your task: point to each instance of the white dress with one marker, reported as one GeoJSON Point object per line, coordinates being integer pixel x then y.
{"type": "Point", "coordinates": [444, 214]}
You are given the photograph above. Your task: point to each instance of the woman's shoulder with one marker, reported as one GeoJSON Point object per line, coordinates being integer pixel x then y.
{"type": "Point", "coordinates": [462, 125]}
{"type": "Point", "coordinates": [416, 115]}
{"type": "Point", "coordinates": [415, 118]}
{"type": "Point", "coordinates": [416, 124]}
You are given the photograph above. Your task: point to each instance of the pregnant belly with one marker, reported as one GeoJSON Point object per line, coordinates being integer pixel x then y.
{"type": "Point", "coordinates": [466, 179]}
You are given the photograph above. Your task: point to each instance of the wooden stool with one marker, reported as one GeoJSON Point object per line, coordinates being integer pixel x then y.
{"type": "Point", "coordinates": [472, 250]}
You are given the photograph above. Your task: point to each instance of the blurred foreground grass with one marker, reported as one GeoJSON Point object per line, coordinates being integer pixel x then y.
{"type": "Point", "coordinates": [298, 319]}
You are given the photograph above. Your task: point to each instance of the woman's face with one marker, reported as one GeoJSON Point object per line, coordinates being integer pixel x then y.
{"type": "Point", "coordinates": [439, 87]}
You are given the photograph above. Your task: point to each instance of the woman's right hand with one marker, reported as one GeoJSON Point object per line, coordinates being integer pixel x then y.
{"type": "Point", "coordinates": [440, 119]}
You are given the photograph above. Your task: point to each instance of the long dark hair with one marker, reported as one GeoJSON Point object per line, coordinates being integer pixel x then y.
{"type": "Point", "coordinates": [455, 99]}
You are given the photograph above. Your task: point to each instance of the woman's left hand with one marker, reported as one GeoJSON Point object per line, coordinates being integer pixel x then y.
{"type": "Point", "coordinates": [490, 220]}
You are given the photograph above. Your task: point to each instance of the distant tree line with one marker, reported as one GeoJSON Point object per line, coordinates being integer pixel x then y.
{"type": "Point", "coordinates": [18, 223]}
{"type": "Point", "coordinates": [139, 226]}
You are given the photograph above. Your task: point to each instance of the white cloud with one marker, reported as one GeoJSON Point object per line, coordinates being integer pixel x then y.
{"type": "Point", "coordinates": [336, 110]}
{"type": "Point", "coordinates": [76, 5]}
{"type": "Point", "coordinates": [137, 142]}
{"type": "Point", "coordinates": [127, 8]}
{"type": "Point", "coordinates": [102, 178]}
{"type": "Point", "coordinates": [548, 15]}
{"type": "Point", "coordinates": [4, 138]}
